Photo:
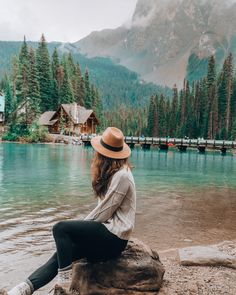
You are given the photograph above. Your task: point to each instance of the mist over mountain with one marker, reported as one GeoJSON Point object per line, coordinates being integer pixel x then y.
{"type": "Point", "coordinates": [167, 40]}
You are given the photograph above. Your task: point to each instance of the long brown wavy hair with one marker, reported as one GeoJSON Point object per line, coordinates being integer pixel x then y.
{"type": "Point", "coordinates": [102, 170]}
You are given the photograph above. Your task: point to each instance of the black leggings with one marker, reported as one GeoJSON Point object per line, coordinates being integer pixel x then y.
{"type": "Point", "coordinates": [76, 239]}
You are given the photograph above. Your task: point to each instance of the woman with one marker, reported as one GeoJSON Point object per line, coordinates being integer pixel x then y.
{"type": "Point", "coordinates": [104, 233]}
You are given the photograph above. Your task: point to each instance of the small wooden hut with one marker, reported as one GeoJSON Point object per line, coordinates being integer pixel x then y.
{"type": "Point", "coordinates": [70, 119]}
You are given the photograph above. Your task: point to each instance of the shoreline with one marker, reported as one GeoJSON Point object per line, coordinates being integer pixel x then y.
{"type": "Point", "coordinates": [158, 226]}
{"type": "Point", "coordinates": [197, 280]}
{"type": "Point", "coordinates": [230, 151]}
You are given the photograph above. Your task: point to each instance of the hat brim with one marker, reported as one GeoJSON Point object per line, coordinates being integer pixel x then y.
{"type": "Point", "coordinates": [124, 153]}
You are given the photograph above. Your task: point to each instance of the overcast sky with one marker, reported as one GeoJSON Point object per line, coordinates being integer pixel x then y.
{"type": "Point", "coordinates": [61, 20]}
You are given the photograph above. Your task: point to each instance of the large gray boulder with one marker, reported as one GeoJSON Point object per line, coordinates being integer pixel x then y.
{"type": "Point", "coordinates": [137, 271]}
{"type": "Point", "coordinates": [207, 256]}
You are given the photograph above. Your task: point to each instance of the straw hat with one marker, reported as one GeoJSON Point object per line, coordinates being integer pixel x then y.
{"type": "Point", "coordinates": [111, 144]}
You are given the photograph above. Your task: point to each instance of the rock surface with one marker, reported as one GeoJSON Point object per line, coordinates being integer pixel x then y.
{"type": "Point", "coordinates": [208, 256]}
{"type": "Point", "coordinates": [137, 271]}
{"type": "Point", "coordinates": [198, 280]}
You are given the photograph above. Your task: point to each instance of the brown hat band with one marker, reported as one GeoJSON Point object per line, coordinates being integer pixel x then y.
{"type": "Point", "coordinates": [111, 148]}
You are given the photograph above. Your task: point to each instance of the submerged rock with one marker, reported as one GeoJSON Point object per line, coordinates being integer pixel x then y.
{"type": "Point", "coordinates": [137, 271]}
{"type": "Point", "coordinates": [208, 256]}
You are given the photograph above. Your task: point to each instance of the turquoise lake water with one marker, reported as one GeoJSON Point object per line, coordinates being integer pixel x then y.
{"type": "Point", "coordinates": [181, 196]}
{"type": "Point", "coordinates": [50, 172]}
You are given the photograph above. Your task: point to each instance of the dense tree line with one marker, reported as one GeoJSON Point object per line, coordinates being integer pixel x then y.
{"type": "Point", "coordinates": [132, 121]}
{"type": "Point", "coordinates": [115, 82]}
{"type": "Point", "coordinates": [206, 109]}
{"type": "Point", "coordinates": [46, 82]}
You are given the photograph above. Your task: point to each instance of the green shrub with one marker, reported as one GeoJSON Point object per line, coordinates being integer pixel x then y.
{"type": "Point", "coordinates": [22, 132]}
{"type": "Point", "coordinates": [10, 136]}
{"type": "Point", "coordinates": [37, 133]}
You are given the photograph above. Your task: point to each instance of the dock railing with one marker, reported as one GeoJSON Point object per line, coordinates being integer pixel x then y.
{"type": "Point", "coordinates": [210, 143]}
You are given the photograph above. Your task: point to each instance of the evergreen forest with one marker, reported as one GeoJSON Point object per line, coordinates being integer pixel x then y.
{"type": "Point", "coordinates": [206, 108]}
{"type": "Point", "coordinates": [47, 82]}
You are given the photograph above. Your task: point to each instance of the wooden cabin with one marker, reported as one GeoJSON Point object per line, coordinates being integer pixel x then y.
{"type": "Point", "coordinates": [70, 119]}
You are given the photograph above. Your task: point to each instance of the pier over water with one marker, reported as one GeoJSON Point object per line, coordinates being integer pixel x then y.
{"type": "Point", "coordinates": [181, 143]}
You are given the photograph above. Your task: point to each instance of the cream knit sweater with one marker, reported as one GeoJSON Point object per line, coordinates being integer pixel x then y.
{"type": "Point", "coordinates": [117, 209]}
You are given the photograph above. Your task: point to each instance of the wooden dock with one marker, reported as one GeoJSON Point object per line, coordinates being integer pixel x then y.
{"type": "Point", "coordinates": [182, 144]}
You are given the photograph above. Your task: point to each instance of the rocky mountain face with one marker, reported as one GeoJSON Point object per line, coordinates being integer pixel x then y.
{"type": "Point", "coordinates": [166, 38]}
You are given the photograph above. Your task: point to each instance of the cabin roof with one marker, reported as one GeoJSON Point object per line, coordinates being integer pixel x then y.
{"type": "Point", "coordinates": [2, 103]}
{"type": "Point", "coordinates": [78, 114]}
{"type": "Point", "coordinates": [45, 118]}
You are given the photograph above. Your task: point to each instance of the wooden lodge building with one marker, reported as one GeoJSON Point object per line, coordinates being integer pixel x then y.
{"type": "Point", "coordinates": [70, 119]}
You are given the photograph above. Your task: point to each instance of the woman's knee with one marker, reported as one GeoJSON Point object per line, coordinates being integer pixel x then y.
{"type": "Point", "coordinates": [59, 228]}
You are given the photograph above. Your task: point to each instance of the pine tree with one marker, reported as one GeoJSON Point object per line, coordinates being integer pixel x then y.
{"type": "Point", "coordinates": [222, 95]}
{"type": "Point", "coordinates": [9, 100]}
{"type": "Point", "coordinates": [204, 116]}
{"type": "Point", "coordinates": [65, 93]}
{"type": "Point", "coordinates": [197, 108]}
{"type": "Point", "coordinates": [184, 108]}
{"type": "Point", "coordinates": [179, 114]}
{"type": "Point", "coordinates": [173, 114]}
{"type": "Point", "coordinates": [233, 133]}
{"type": "Point", "coordinates": [162, 116]}
{"type": "Point", "coordinates": [93, 96]}
{"type": "Point", "coordinates": [150, 123]}
{"type": "Point", "coordinates": [215, 114]}
{"type": "Point", "coordinates": [14, 75]}
{"type": "Point", "coordinates": [57, 79]}
{"type": "Point", "coordinates": [233, 103]}
{"type": "Point", "coordinates": [34, 91]}
{"type": "Point", "coordinates": [211, 72]}
{"type": "Point", "coordinates": [60, 76]}
{"type": "Point", "coordinates": [155, 131]}
{"type": "Point", "coordinates": [71, 67]}
{"type": "Point", "coordinates": [79, 87]}
{"type": "Point", "coordinates": [81, 99]}
{"type": "Point", "coordinates": [55, 97]}
{"type": "Point", "coordinates": [24, 53]}
{"type": "Point", "coordinates": [99, 109]}
{"type": "Point", "coordinates": [88, 98]}
{"type": "Point", "coordinates": [212, 109]}
{"type": "Point", "coordinates": [190, 130]}
{"type": "Point", "coordinates": [22, 82]}
{"type": "Point", "coordinates": [167, 117]}
{"type": "Point", "coordinates": [44, 73]}
{"type": "Point", "coordinates": [55, 63]}
{"type": "Point", "coordinates": [229, 93]}
{"type": "Point", "coordinates": [183, 104]}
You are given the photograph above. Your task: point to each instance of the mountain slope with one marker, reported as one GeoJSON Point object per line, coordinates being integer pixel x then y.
{"type": "Point", "coordinates": [164, 34]}
{"type": "Point", "coordinates": [116, 83]}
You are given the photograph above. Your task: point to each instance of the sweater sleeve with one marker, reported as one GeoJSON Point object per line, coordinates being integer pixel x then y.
{"type": "Point", "coordinates": [112, 200]}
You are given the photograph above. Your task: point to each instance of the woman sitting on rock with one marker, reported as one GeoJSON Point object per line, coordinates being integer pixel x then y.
{"type": "Point", "coordinates": [104, 233]}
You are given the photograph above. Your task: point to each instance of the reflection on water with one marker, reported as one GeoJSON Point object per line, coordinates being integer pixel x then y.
{"type": "Point", "coordinates": [181, 197]}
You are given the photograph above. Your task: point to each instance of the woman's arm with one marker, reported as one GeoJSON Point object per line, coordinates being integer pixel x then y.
{"type": "Point", "coordinates": [112, 200]}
